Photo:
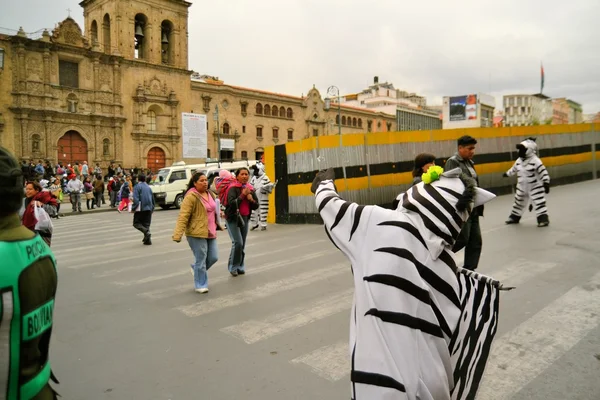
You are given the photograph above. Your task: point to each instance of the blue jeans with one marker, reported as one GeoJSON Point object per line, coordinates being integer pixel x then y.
{"type": "Point", "coordinates": [238, 245]}
{"type": "Point", "coordinates": [206, 255]}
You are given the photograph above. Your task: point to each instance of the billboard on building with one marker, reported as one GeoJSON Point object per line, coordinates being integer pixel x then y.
{"type": "Point", "coordinates": [194, 135]}
{"type": "Point", "coordinates": [463, 107]}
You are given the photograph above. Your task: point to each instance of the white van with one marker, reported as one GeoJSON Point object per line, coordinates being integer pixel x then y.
{"type": "Point", "coordinates": [170, 184]}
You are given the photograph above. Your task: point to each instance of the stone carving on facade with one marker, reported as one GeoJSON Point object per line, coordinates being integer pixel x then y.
{"type": "Point", "coordinates": [35, 88]}
{"type": "Point", "coordinates": [155, 87]}
{"type": "Point", "coordinates": [106, 78]}
{"type": "Point", "coordinates": [69, 32]}
{"type": "Point", "coordinates": [35, 65]}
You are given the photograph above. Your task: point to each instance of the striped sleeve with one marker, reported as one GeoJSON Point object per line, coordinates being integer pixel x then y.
{"type": "Point", "coordinates": [344, 221]}
{"type": "Point", "coordinates": [472, 340]}
{"type": "Point", "coordinates": [513, 170]}
{"type": "Point", "coordinates": [541, 171]}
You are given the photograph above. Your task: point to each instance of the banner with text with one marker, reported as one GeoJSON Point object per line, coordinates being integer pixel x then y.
{"type": "Point", "coordinates": [194, 135]}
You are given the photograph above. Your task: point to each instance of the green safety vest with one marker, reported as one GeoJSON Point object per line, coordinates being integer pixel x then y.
{"type": "Point", "coordinates": [15, 328]}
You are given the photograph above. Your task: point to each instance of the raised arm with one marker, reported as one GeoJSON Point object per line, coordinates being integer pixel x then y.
{"type": "Point", "coordinates": [346, 223]}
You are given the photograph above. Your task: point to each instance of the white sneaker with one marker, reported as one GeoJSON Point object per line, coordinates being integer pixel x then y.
{"type": "Point", "coordinates": [203, 290]}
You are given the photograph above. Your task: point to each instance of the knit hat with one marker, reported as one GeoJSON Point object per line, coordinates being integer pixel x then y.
{"type": "Point", "coordinates": [11, 183]}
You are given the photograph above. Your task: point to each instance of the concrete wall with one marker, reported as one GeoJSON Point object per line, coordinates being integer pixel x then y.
{"type": "Point", "coordinates": [378, 165]}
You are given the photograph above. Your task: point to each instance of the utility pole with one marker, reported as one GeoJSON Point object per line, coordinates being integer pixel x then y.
{"type": "Point", "coordinates": [216, 118]}
{"type": "Point", "coordinates": [334, 91]}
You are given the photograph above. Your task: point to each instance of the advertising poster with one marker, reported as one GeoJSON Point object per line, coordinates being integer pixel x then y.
{"type": "Point", "coordinates": [458, 108]}
{"type": "Point", "coordinates": [471, 109]}
{"type": "Point", "coordinates": [194, 135]}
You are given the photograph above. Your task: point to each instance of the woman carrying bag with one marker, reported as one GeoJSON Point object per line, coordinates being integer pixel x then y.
{"type": "Point", "coordinates": [198, 218]}
{"type": "Point", "coordinates": [241, 201]}
{"type": "Point", "coordinates": [39, 206]}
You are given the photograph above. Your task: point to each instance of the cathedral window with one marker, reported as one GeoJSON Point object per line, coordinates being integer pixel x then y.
{"type": "Point", "coordinates": [140, 32]}
{"type": "Point", "coordinates": [166, 39]}
{"type": "Point", "coordinates": [151, 121]}
{"type": "Point", "coordinates": [244, 155]}
{"type": "Point", "coordinates": [259, 109]}
{"type": "Point", "coordinates": [94, 32]}
{"type": "Point", "coordinates": [1, 58]}
{"type": "Point", "coordinates": [106, 33]}
{"type": "Point", "coordinates": [282, 112]}
{"type": "Point", "coordinates": [290, 113]}
{"type": "Point", "coordinates": [225, 128]}
{"type": "Point", "coordinates": [290, 134]}
{"type": "Point", "coordinates": [68, 73]}
{"type": "Point", "coordinates": [275, 133]}
{"type": "Point", "coordinates": [267, 110]}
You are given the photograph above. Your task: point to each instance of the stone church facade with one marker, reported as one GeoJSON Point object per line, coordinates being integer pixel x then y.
{"type": "Point", "coordinates": [116, 91]}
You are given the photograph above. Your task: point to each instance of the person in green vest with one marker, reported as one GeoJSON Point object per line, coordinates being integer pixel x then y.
{"type": "Point", "coordinates": [28, 283]}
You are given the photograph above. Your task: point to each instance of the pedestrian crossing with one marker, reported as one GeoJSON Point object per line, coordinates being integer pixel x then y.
{"type": "Point", "coordinates": [296, 280]}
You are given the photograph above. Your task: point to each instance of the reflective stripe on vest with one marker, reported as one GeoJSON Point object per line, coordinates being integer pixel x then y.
{"type": "Point", "coordinates": [16, 328]}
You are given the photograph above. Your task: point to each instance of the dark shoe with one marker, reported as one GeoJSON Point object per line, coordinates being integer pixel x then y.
{"type": "Point", "coordinates": [146, 238]}
{"type": "Point", "coordinates": [148, 242]}
{"type": "Point", "coordinates": [233, 273]}
{"type": "Point", "coordinates": [264, 228]}
{"type": "Point", "coordinates": [254, 228]}
{"type": "Point", "coordinates": [543, 224]}
{"type": "Point", "coordinates": [512, 220]}
{"type": "Point", "coordinates": [240, 272]}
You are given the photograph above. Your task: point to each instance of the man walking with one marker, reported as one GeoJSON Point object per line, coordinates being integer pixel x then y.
{"type": "Point", "coordinates": [470, 236]}
{"type": "Point", "coordinates": [28, 280]}
{"type": "Point", "coordinates": [143, 206]}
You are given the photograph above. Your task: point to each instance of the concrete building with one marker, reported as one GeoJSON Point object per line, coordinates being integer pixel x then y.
{"type": "Point", "coordinates": [116, 93]}
{"type": "Point", "coordinates": [560, 111]}
{"type": "Point", "coordinates": [526, 109]}
{"type": "Point", "coordinates": [468, 111]}
{"type": "Point", "coordinates": [410, 109]}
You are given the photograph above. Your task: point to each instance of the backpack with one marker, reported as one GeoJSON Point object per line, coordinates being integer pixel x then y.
{"type": "Point", "coordinates": [223, 186]}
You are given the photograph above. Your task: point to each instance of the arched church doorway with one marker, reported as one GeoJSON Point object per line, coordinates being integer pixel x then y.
{"type": "Point", "coordinates": [72, 148]}
{"type": "Point", "coordinates": [156, 159]}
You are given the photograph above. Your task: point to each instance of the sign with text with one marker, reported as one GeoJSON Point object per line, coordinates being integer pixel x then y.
{"type": "Point", "coordinates": [194, 135]}
{"type": "Point", "coordinates": [227, 144]}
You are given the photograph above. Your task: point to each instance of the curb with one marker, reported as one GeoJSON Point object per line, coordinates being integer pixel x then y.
{"type": "Point", "coordinates": [72, 214]}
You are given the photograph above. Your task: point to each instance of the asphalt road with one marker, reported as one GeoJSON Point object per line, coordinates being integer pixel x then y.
{"type": "Point", "coordinates": [129, 326]}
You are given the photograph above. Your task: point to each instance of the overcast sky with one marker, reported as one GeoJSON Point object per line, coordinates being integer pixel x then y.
{"type": "Point", "coordinates": [432, 47]}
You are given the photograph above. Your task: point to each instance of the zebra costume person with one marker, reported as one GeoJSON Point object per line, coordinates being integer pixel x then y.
{"type": "Point", "coordinates": [263, 186]}
{"type": "Point", "coordinates": [421, 328]}
{"type": "Point", "coordinates": [533, 183]}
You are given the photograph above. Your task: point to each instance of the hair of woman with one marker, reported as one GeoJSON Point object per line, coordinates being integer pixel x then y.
{"type": "Point", "coordinates": [420, 161]}
{"type": "Point", "coordinates": [35, 185]}
{"type": "Point", "coordinates": [242, 169]}
{"type": "Point", "coordinates": [194, 179]}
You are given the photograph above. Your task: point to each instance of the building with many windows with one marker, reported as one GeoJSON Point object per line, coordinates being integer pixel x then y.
{"type": "Point", "coordinates": [410, 109]}
{"type": "Point", "coordinates": [116, 91]}
{"type": "Point", "coordinates": [527, 109]}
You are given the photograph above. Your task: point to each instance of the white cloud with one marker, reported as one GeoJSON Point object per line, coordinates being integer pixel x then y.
{"type": "Point", "coordinates": [433, 47]}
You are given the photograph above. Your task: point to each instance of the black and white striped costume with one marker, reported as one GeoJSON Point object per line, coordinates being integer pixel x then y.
{"type": "Point", "coordinates": [533, 182]}
{"type": "Point", "coordinates": [421, 328]}
{"type": "Point", "coordinates": [263, 186]}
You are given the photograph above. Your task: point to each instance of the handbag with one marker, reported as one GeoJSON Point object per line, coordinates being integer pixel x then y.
{"type": "Point", "coordinates": [89, 195]}
{"type": "Point", "coordinates": [239, 219]}
{"type": "Point", "coordinates": [43, 221]}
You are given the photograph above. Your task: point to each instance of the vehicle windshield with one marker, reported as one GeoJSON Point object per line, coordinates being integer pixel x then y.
{"type": "Point", "coordinates": [161, 177]}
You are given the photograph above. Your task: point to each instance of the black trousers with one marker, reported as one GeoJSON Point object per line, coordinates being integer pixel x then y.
{"type": "Point", "coordinates": [142, 221]}
{"type": "Point", "coordinates": [470, 239]}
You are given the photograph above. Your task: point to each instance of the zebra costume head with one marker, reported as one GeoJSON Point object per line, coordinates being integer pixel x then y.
{"type": "Point", "coordinates": [527, 148]}
{"type": "Point", "coordinates": [441, 208]}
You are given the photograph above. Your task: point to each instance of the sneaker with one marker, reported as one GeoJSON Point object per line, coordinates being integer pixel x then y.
{"type": "Point", "coordinates": [543, 224]}
{"type": "Point", "coordinates": [511, 221]}
{"type": "Point", "coordinates": [254, 228]}
{"type": "Point", "coordinates": [233, 273]}
{"type": "Point", "coordinates": [241, 272]}
{"type": "Point", "coordinates": [264, 228]}
{"type": "Point", "coordinates": [202, 290]}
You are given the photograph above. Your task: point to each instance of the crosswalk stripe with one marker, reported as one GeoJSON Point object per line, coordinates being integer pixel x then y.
{"type": "Point", "coordinates": [329, 362]}
{"type": "Point", "coordinates": [186, 270]}
{"type": "Point", "coordinates": [65, 247]}
{"type": "Point", "coordinates": [293, 282]}
{"type": "Point", "coordinates": [174, 290]}
{"type": "Point", "coordinates": [253, 331]}
{"type": "Point", "coordinates": [520, 271]}
{"type": "Point", "coordinates": [522, 354]}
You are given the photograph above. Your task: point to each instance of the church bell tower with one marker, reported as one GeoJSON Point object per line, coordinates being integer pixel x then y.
{"type": "Point", "coordinates": [151, 31]}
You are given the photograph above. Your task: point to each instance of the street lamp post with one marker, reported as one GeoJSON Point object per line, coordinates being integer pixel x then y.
{"type": "Point", "coordinates": [216, 118]}
{"type": "Point", "coordinates": [334, 91]}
